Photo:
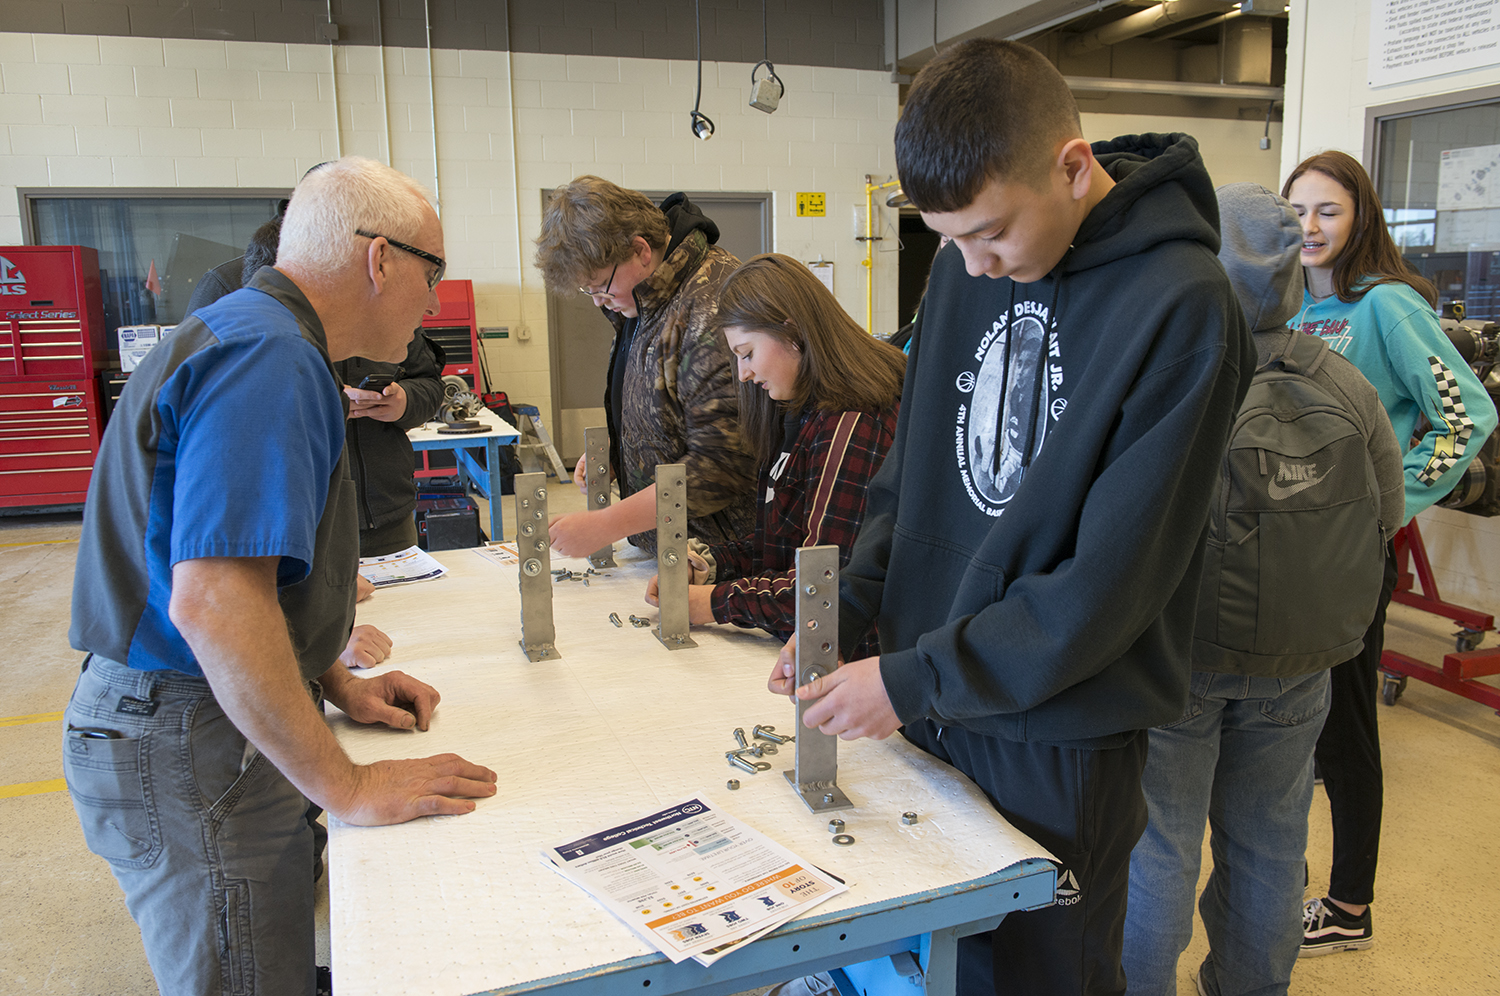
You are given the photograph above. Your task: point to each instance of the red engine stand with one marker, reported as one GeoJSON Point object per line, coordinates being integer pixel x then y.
{"type": "Point", "coordinates": [1459, 668]}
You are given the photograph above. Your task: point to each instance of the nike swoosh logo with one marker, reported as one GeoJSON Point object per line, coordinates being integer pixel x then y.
{"type": "Point", "coordinates": [1278, 492]}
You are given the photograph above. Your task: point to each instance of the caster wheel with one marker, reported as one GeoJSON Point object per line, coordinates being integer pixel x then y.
{"type": "Point", "coordinates": [1468, 639]}
{"type": "Point", "coordinates": [1391, 687]}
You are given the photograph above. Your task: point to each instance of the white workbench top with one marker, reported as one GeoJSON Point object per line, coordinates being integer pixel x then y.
{"type": "Point", "coordinates": [618, 727]}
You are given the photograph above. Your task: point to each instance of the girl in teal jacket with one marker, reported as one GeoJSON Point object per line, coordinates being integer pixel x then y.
{"type": "Point", "coordinates": [1369, 305]}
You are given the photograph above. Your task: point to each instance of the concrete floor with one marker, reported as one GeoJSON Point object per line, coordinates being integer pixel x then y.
{"type": "Point", "coordinates": [64, 928]}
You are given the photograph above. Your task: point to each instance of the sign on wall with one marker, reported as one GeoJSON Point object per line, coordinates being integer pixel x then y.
{"type": "Point", "coordinates": [1416, 39]}
{"type": "Point", "coordinates": [811, 204]}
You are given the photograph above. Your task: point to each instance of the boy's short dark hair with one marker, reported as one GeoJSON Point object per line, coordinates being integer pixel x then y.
{"type": "Point", "coordinates": [983, 110]}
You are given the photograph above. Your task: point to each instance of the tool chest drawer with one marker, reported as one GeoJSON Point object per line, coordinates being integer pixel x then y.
{"type": "Point", "coordinates": [51, 312]}
{"type": "Point", "coordinates": [49, 436]}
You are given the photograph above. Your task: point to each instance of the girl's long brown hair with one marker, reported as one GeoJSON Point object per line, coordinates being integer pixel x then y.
{"type": "Point", "coordinates": [1371, 256]}
{"type": "Point", "coordinates": [842, 366]}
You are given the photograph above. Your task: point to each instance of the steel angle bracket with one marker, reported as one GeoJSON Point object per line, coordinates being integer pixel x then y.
{"type": "Point", "coordinates": [672, 570]}
{"type": "Point", "coordinates": [815, 771]}
{"type": "Point", "coordinates": [596, 484]}
{"type": "Point", "coordinates": [538, 631]}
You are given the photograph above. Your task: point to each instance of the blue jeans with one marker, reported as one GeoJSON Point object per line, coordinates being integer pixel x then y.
{"type": "Point", "coordinates": [1241, 759]}
{"type": "Point", "coordinates": [207, 839]}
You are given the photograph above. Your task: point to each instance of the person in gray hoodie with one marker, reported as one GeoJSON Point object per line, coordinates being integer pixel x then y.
{"type": "Point", "coordinates": [1240, 757]}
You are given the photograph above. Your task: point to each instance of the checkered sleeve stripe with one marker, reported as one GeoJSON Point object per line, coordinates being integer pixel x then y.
{"type": "Point", "coordinates": [1448, 452]}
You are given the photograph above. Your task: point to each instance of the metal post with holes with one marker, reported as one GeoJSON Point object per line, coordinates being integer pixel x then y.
{"type": "Point", "coordinates": [671, 556]}
{"type": "Point", "coordinates": [815, 772]}
{"type": "Point", "coordinates": [596, 484]}
{"type": "Point", "coordinates": [538, 631]}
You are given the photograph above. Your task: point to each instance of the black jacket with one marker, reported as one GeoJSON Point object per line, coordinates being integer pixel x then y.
{"type": "Point", "coordinates": [1046, 592]}
{"type": "Point", "coordinates": [380, 455]}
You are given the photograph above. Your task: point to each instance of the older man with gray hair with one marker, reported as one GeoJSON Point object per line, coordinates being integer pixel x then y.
{"type": "Point", "coordinates": [216, 584]}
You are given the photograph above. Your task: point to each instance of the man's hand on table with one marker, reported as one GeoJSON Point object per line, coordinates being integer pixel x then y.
{"type": "Point", "coordinates": [389, 792]}
{"type": "Point", "coordinates": [362, 588]}
{"type": "Point", "coordinates": [394, 699]}
{"type": "Point", "coordinates": [386, 405]}
{"type": "Point", "coordinates": [851, 702]}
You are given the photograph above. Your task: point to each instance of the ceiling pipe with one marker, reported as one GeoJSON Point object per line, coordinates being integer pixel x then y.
{"type": "Point", "coordinates": [1144, 22]}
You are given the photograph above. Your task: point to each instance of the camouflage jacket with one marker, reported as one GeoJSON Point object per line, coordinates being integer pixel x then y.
{"type": "Point", "coordinates": [679, 402]}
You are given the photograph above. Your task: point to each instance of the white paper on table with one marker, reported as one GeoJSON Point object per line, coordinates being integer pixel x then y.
{"type": "Point", "coordinates": [406, 567]}
{"type": "Point", "coordinates": [692, 881]}
{"type": "Point", "coordinates": [499, 553]}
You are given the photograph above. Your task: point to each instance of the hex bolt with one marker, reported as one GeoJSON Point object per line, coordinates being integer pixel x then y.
{"type": "Point", "coordinates": [811, 590]}
{"type": "Point", "coordinates": [739, 762]}
{"type": "Point", "coordinates": [541, 494]}
{"type": "Point", "coordinates": [532, 568]}
{"type": "Point", "coordinates": [835, 826]}
{"type": "Point", "coordinates": [739, 737]}
{"type": "Point", "coordinates": [908, 818]}
{"type": "Point", "coordinates": [527, 528]}
{"type": "Point", "coordinates": [768, 733]}
{"type": "Point", "coordinates": [755, 750]}
{"type": "Point", "coordinates": [732, 784]}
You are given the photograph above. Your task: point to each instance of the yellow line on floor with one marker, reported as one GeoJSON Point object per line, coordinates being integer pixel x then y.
{"type": "Point", "coordinates": [33, 788]}
{"type": "Point", "coordinates": [36, 717]}
{"type": "Point", "coordinates": [39, 543]}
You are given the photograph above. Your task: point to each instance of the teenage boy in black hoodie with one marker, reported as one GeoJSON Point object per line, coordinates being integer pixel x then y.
{"type": "Point", "coordinates": [1032, 551]}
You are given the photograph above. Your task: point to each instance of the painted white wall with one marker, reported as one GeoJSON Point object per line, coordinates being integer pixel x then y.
{"type": "Point", "coordinates": [1327, 94]}
{"type": "Point", "coordinates": [1230, 148]}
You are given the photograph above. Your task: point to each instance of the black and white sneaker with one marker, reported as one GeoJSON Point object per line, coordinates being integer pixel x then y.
{"type": "Point", "coordinates": [1326, 929]}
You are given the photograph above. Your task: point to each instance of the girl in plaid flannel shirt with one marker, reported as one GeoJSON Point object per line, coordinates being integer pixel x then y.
{"type": "Point", "coordinates": [818, 401]}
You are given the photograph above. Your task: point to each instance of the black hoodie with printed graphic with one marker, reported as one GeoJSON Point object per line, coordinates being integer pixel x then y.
{"type": "Point", "coordinates": [1032, 550]}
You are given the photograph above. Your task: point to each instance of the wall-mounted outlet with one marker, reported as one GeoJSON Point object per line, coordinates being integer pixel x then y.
{"type": "Point", "coordinates": [523, 333]}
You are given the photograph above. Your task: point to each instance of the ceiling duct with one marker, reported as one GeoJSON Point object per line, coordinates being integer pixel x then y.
{"type": "Point", "coordinates": [1143, 22]}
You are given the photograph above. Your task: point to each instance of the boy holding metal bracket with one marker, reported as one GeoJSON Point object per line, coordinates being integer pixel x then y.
{"type": "Point", "coordinates": [1032, 549]}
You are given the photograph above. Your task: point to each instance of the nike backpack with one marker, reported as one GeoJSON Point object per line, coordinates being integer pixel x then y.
{"type": "Point", "coordinates": [1296, 551]}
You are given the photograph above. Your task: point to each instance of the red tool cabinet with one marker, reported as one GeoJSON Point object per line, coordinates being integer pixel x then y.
{"type": "Point", "coordinates": [52, 345]}
{"type": "Point", "coordinates": [455, 329]}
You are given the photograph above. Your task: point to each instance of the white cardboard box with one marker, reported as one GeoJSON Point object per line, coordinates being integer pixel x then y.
{"type": "Point", "coordinates": [136, 341]}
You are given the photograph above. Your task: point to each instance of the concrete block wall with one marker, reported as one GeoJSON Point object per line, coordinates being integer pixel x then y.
{"type": "Point", "coordinates": [110, 111]}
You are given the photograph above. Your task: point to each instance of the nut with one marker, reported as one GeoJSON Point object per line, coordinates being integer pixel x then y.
{"type": "Point", "coordinates": [835, 826]}
{"type": "Point", "coordinates": [532, 568]}
{"type": "Point", "coordinates": [732, 784]}
{"type": "Point", "coordinates": [670, 556]}
{"type": "Point", "coordinates": [908, 818]}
